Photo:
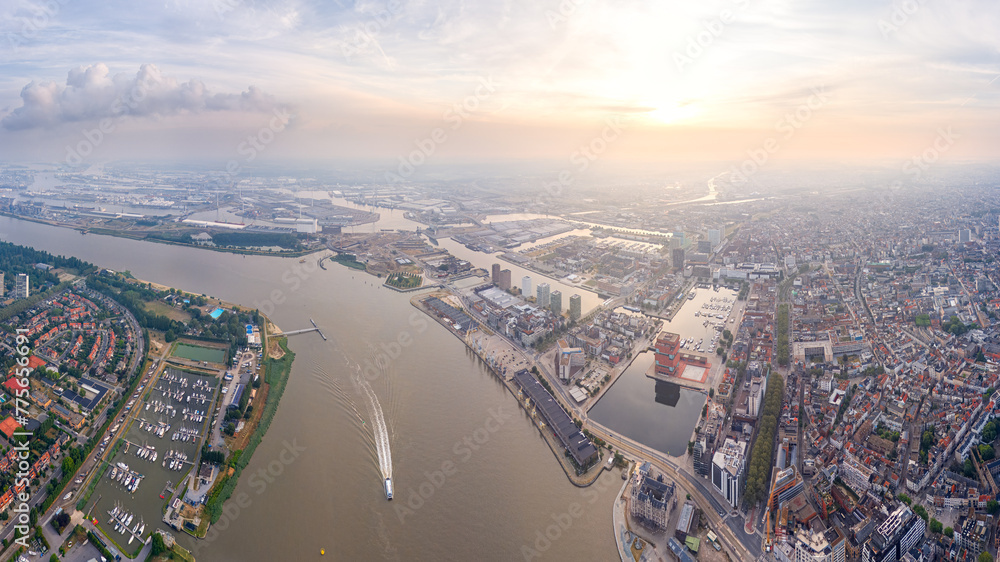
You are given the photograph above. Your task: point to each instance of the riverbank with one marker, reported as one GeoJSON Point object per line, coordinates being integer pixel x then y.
{"type": "Point", "coordinates": [130, 236]}
{"type": "Point", "coordinates": [487, 346]}
{"type": "Point", "coordinates": [410, 289]}
{"type": "Point", "coordinates": [277, 370]}
{"type": "Point", "coordinates": [209, 301]}
{"type": "Point", "coordinates": [356, 312]}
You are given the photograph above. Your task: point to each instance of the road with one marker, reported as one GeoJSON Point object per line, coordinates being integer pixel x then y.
{"type": "Point", "coordinates": [40, 492]}
{"type": "Point", "coordinates": [983, 321]}
{"type": "Point", "coordinates": [139, 353]}
{"type": "Point", "coordinates": [100, 454]}
{"type": "Point", "coordinates": [36, 498]}
{"type": "Point", "coordinates": [730, 529]}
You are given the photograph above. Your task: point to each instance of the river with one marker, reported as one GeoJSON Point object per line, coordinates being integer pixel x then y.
{"type": "Point", "coordinates": [395, 219]}
{"type": "Point", "coordinates": [466, 487]}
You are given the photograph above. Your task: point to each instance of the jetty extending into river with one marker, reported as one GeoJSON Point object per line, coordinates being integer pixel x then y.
{"type": "Point", "coordinates": [315, 328]}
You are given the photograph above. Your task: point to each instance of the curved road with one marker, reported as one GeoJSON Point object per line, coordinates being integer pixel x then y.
{"type": "Point", "coordinates": [730, 529]}
{"type": "Point", "coordinates": [744, 546]}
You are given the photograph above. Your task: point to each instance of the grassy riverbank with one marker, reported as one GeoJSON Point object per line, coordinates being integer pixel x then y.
{"type": "Point", "coordinates": [276, 378]}
{"type": "Point", "coordinates": [145, 236]}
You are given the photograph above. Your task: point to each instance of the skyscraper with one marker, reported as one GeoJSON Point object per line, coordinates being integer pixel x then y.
{"type": "Point", "coordinates": [21, 287]}
{"type": "Point", "coordinates": [526, 286]}
{"type": "Point", "coordinates": [700, 456]}
{"type": "Point", "coordinates": [677, 258]}
{"type": "Point", "coordinates": [555, 302]}
{"type": "Point", "coordinates": [715, 237]}
{"type": "Point", "coordinates": [728, 466]}
{"type": "Point", "coordinates": [575, 307]}
{"type": "Point", "coordinates": [504, 281]}
{"type": "Point", "coordinates": [895, 536]}
{"type": "Point", "coordinates": [965, 235]}
{"type": "Point", "coordinates": [542, 299]}
{"type": "Point", "coordinates": [3, 289]}
{"type": "Point", "coordinates": [496, 274]}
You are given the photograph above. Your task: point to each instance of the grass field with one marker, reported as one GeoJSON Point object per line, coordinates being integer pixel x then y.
{"type": "Point", "coordinates": [162, 308]}
{"type": "Point", "coordinates": [198, 353]}
{"type": "Point", "coordinates": [404, 281]}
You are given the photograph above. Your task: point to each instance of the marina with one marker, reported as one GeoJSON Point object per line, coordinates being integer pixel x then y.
{"type": "Point", "coordinates": [638, 405]}
{"type": "Point", "coordinates": [161, 442]}
{"type": "Point", "coordinates": [125, 477]}
{"type": "Point", "coordinates": [121, 520]}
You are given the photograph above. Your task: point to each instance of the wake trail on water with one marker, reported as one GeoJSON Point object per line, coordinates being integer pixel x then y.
{"type": "Point", "coordinates": [334, 389]}
{"type": "Point", "coordinates": [379, 427]}
{"type": "Point", "coordinates": [383, 380]}
{"type": "Point", "coordinates": [349, 407]}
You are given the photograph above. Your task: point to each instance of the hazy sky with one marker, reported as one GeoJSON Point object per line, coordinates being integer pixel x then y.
{"type": "Point", "coordinates": [532, 79]}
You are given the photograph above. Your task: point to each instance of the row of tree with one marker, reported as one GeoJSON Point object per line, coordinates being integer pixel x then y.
{"type": "Point", "coordinates": [761, 455]}
{"type": "Point", "coordinates": [256, 239]}
{"type": "Point", "coordinates": [782, 327]}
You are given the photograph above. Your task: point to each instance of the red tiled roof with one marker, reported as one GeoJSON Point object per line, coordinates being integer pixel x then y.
{"type": "Point", "coordinates": [9, 426]}
{"type": "Point", "coordinates": [13, 384]}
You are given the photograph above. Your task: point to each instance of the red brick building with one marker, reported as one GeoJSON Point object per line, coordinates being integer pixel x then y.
{"type": "Point", "coordinates": [668, 355]}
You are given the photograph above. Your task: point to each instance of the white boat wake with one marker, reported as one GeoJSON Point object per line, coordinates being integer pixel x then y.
{"type": "Point", "coordinates": [378, 425]}
{"type": "Point", "coordinates": [380, 429]}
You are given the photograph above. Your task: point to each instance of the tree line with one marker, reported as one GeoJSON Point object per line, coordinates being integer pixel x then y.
{"type": "Point", "coordinates": [761, 458]}
{"type": "Point", "coordinates": [133, 296]}
{"type": "Point", "coordinates": [782, 342]}
{"type": "Point", "coordinates": [16, 259]}
{"type": "Point", "coordinates": [256, 239]}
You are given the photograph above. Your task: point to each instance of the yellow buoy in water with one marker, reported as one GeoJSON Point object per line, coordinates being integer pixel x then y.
{"type": "Point", "coordinates": [322, 551]}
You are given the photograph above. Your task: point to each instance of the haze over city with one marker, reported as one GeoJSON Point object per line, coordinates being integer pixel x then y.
{"type": "Point", "coordinates": [364, 80]}
{"type": "Point", "coordinates": [515, 280]}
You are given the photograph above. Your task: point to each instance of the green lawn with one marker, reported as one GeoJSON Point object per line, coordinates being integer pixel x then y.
{"type": "Point", "coordinates": [198, 353]}
{"type": "Point", "coordinates": [404, 281]}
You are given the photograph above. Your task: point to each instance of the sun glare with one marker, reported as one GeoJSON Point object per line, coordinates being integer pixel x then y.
{"type": "Point", "coordinates": [670, 113]}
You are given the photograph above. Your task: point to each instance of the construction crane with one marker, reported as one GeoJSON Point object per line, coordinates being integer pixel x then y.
{"type": "Point", "coordinates": [768, 541]}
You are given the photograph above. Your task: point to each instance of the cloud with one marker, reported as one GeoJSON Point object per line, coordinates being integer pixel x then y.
{"type": "Point", "coordinates": [92, 93]}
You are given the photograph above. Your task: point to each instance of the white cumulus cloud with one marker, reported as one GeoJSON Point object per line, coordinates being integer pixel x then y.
{"type": "Point", "coordinates": [92, 92]}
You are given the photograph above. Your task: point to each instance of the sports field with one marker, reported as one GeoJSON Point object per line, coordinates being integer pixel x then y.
{"type": "Point", "coordinates": [198, 353]}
